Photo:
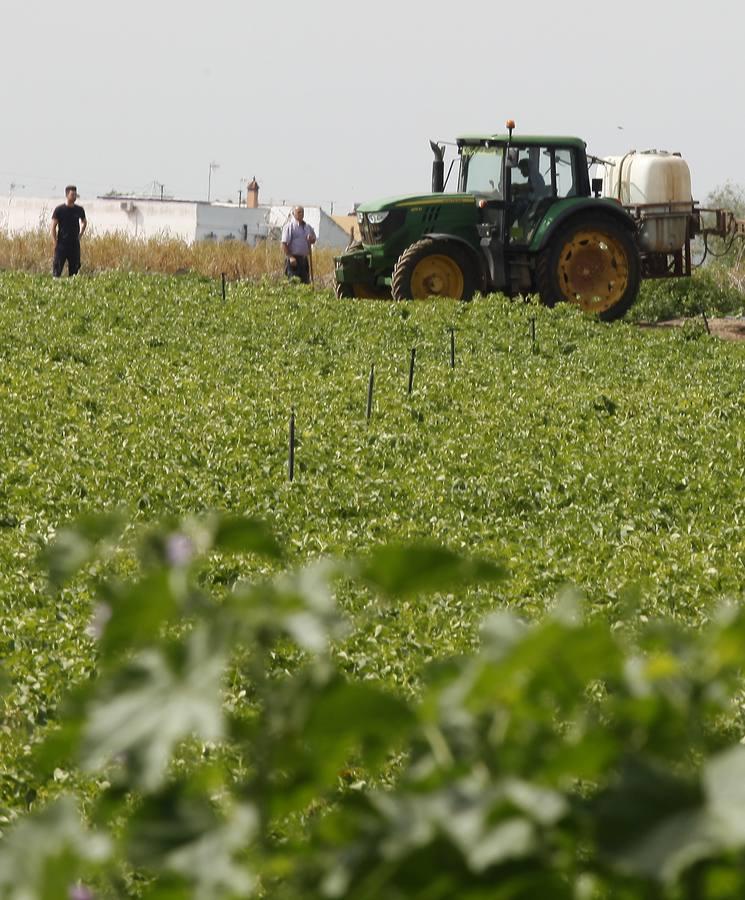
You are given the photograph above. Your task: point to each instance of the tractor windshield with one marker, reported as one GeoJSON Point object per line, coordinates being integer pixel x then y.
{"type": "Point", "coordinates": [481, 171]}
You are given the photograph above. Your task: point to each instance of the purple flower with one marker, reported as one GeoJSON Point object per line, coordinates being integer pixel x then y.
{"type": "Point", "coordinates": [179, 550]}
{"type": "Point", "coordinates": [79, 892]}
{"type": "Point", "coordinates": [101, 615]}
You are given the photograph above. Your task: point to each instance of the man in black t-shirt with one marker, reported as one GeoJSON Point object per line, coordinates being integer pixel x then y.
{"type": "Point", "coordinates": [68, 226]}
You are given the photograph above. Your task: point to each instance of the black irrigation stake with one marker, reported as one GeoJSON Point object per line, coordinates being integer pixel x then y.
{"type": "Point", "coordinates": [291, 462]}
{"type": "Point", "coordinates": [370, 386]}
{"type": "Point", "coordinates": [223, 285]}
{"type": "Point", "coordinates": [706, 321]}
{"type": "Point", "coordinates": [532, 333]}
{"type": "Point", "coordinates": [452, 348]}
{"type": "Point", "coordinates": [411, 369]}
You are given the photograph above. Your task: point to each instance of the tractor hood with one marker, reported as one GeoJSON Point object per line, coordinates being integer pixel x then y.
{"type": "Point", "coordinates": [391, 224]}
{"type": "Point", "coordinates": [414, 200]}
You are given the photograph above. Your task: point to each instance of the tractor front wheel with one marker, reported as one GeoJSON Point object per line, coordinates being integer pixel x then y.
{"type": "Point", "coordinates": [433, 268]}
{"type": "Point", "coordinates": [591, 262]}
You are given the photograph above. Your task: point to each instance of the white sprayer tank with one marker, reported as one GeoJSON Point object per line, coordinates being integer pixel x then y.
{"type": "Point", "coordinates": [658, 184]}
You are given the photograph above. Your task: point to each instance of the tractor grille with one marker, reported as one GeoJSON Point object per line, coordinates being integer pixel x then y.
{"type": "Point", "coordinates": [378, 234]}
{"type": "Point", "coordinates": [429, 219]}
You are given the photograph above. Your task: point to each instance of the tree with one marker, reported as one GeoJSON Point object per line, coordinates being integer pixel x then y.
{"type": "Point", "coordinates": [729, 252]}
{"type": "Point", "coordinates": [728, 196]}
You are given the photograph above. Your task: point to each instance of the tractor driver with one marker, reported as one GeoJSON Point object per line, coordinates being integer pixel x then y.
{"type": "Point", "coordinates": [528, 191]}
{"type": "Point", "coordinates": [529, 170]}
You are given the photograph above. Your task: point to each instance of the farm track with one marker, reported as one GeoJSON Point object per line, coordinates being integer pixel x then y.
{"type": "Point", "coordinates": [728, 328]}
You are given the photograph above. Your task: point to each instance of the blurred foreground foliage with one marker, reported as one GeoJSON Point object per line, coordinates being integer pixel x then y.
{"type": "Point", "coordinates": [566, 759]}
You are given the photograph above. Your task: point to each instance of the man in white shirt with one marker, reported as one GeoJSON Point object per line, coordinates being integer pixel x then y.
{"type": "Point", "coordinates": [297, 239]}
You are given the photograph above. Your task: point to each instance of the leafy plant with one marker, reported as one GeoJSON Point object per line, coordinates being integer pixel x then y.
{"type": "Point", "coordinates": [607, 458]}
{"type": "Point", "coordinates": [711, 290]}
{"type": "Point", "coordinates": [561, 759]}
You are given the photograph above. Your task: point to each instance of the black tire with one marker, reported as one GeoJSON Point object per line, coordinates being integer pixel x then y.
{"type": "Point", "coordinates": [434, 267]}
{"type": "Point", "coordinates": [343, 290]}
{"type": "Point", "coordinates": [593, 263]}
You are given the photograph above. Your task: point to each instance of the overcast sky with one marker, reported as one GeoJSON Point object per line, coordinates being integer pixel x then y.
{"type": "Point", "coordinates": [335, 101]}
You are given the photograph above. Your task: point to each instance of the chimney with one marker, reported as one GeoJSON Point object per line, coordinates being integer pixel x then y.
{"type": "Point", "coordinates": [252, 194]}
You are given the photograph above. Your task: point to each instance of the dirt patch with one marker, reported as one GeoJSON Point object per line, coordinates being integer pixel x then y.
{"type": "Point", "coordinates": [729, 328]}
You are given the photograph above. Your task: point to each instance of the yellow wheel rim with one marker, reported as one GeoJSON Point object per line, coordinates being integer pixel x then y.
{"type": "Point", "coordinates": [593, 271]}
{"type": "Point", "coordinates": [437, 276]}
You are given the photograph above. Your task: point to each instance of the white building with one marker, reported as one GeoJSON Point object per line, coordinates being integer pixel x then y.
{"type": "Point", "coordinates": [186, 220]}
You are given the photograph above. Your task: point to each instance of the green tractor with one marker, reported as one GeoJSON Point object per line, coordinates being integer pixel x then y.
{"type": "Point", "coordinates": [525, 219]}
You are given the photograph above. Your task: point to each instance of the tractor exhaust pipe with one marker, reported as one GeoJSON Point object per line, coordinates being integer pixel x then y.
{"type": "Point", "coordinates": [438, 168]}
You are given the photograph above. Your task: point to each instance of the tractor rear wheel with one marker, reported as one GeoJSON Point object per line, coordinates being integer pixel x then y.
{"type": "Point", "coordinates": [433, 267]}
{"type": "Point", "coordinates": [591, 262]}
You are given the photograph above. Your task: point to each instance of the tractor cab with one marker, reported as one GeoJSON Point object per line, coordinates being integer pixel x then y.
{"type": "Point", "coordinates": [516, 182]}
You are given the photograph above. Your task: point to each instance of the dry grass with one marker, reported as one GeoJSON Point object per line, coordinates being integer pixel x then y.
{"type": "Point", "coordinates": [736, 273]}
{"type": "Point", "coordinates": [32, 252]}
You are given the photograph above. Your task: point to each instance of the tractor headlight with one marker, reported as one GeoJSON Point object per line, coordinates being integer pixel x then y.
{"type": "Point", "coordinates": [375, 218]}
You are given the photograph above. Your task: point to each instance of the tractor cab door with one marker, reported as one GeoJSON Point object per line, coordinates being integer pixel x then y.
{"type": "Point", "coordinates": [491, 231]}
{"type": "Point", "coordinates": [531, 190]}
{"type": "Point", "coordinates": [536, 177]}
{"type": "Point", "coordinates": [483, 175]}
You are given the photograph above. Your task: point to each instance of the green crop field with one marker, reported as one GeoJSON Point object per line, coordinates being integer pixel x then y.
{"type": "Point", "coordinates": [605, 457]}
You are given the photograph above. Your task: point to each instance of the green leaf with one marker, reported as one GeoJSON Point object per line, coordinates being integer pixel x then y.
{"type": "Point", "coordinates": [322, 731]}
{"type": "Point", "coordinates": [61, 745]}
{"type": "Point", "coordinates": [137, 614]}
{"type": "Point", "coordinates": [43, 855]}
{"type": "Point", "coordinates": [513, 838]}
{"type": "Point", "coordinates": [501, 631]}
{"type": "Point", "coordinates": [357, 712]}
{"type": "Point", "coordinates": [157, 701]}
{"type": "Point", "coordinates": [299, 604]}
{"type": "Point", "coordinates": [77, 544]}
{"type": "Point", "coordinates": [405, 569]}
{"type": "Point", "coordinates": [541, 804]}
{"type": "Point", "coordinates": [724, 787]}
{"type": "Point", "coordinates": [652, 823]}
{"type": "Point", "coordinates": [240, 534]}
{"type": "Point", "coordinates": [470, 812]}
{"type": "Point", "coordinates": [678, 843]}
{"type": "Point", "coordinates": [178, 832]}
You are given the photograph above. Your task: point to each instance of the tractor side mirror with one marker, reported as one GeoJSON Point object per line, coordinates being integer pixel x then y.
{"type": "Point", "coordinates": [513, 155]}
{"type": "Point", "coordinates": [597, 186]}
